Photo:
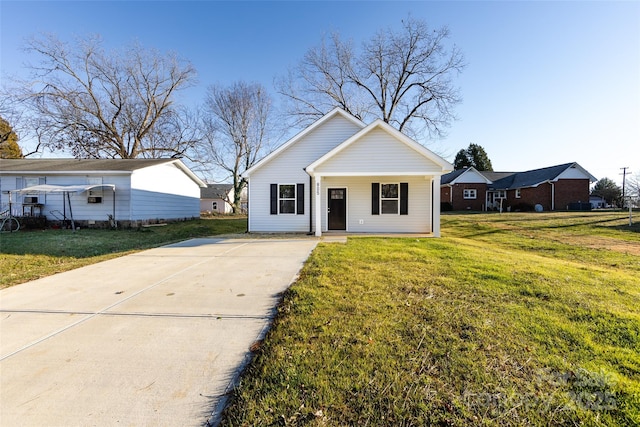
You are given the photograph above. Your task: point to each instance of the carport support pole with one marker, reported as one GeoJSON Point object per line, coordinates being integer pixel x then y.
{"type": "Point", "coordinates": [73, 225]}
{"type": "Point", "coordinates": [114, 209]}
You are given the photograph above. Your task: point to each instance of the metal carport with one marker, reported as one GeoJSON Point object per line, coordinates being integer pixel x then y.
{"type": "Point", "coordinates": [66, 190]}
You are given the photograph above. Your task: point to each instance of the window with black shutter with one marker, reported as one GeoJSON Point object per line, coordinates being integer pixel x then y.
{"type": "Point", "coordinates": [287, 199]}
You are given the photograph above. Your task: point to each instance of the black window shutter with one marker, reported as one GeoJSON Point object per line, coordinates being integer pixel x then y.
{"type": "Point", "coordinates": [375, 198]}
{"type": "Point", "coordinates": [274, 199]}
{"type": "Point", "coordinates": [300, 199]}
{"type": "Point", "coordinates": [404, 198]}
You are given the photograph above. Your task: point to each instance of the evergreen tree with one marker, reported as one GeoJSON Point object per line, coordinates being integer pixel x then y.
{"type": "Point", "coordinates": [474, 156]}
{"type": "Point", "coordinates": [608, 190]}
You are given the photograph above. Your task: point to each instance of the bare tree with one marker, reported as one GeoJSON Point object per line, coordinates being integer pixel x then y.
{"type": "Point", "coordinates": [633, 185]}
{"type": "Point", "coordinates": [236, 130]}
{"type": "Point", "coordinates": [404, 78]}
{"type": "Point", "coordinates": [97, 104]}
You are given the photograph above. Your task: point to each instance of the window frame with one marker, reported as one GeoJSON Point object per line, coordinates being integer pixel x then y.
{"type": "Point", "coordinates": [95, 192]}
{"type": "Point", "coordinates": [284, 199]}
{"type": "Point", "coordinates": [396, 199]}
{"type": "Point", "coordinates": [469, 193]}
{"type": "Point", "coordinates": [518, 193]}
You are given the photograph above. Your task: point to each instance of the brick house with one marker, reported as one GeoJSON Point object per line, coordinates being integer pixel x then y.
{"type": "Point", "coordinates": [561, 187]}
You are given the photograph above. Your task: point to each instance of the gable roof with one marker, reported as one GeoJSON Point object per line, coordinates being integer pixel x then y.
{"type": "Point", "coordinates": [494, 176]}
{"type": "Point", "coordinates": [87, 166]}
{"type": "Point", "coordinates": [215, 191]}
{"type": "Point", "coordinates": [452, 177]}
{"type": "Point", "coordinates": [396, 134]}
{"type": "Point", "coordinates": [535, 177]}
{"type": "Point", "coordinates": [335, 112]}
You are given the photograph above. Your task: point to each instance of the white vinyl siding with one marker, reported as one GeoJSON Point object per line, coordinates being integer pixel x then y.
{"type": "Point", "coordinates": [470, 176]}
{"type": "Point", "coordinates": [148, 199]}
{"type": "Point", "coordinates": [163, 192]}
{"type": "Point", "coordinates": [53, 207]}
{"type": "Point", "coordinates": [418, 219]}
{"type": "Point", "coordinates": [377, 152]}
{"type": "Point", "coordinates": [288, 167]}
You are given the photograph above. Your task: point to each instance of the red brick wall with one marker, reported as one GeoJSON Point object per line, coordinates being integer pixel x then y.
{"type": "Point", "coordinates": [461, 204]}
{"type": "Point", "coordinates": [445, 194]}
{"type": "Point", "coordinates": [566, 191]}
{"type": "Point", "coordinates": [532, 196]}
{"type": "Point", "coordinates": [571, 191]}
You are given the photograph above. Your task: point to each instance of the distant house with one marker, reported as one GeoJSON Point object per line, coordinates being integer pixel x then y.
{"type": "Point", "coordinates": [94, 191]}
{"type": "Point", "coordinates": [215, 198]}
{"type": "Point", "coordinates": [598, 202]}
{"type": "Point", "coordinates": [561, 187]}
{"type": "Point", "coordinates": [340, 175]}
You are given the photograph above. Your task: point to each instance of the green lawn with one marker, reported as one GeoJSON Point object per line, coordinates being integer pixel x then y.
{"type": "Point", "coordinates": [28, 255]}
{"type": "Point", "coordinates": [513, 319]}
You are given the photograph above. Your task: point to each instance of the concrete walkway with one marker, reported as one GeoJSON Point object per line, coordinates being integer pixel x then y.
{"type": "Point", "coordinates": [150, 339]}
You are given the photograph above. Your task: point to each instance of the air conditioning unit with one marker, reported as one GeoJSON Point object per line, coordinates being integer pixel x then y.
{"type": "Point", "coordinates": [93, 199]}
{"type": "Point", "coordinates": [30, 200]}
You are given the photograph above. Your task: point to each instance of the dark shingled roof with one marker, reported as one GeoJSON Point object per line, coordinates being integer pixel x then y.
{"type": "Point", "coordinates": [530, 178]}
{"type": "Point", "coordinates": [511, 180]}
{"type": "Point", "coordinates": [215, 191]}
{"type": "Point", "coordinates": [77, 165]}
{"type": "Point", "coordinates": [448, 177]}
{"type": "Point", "coordinates": [494, 176]}
{"type": "Point", "coordinates": [491, 176]}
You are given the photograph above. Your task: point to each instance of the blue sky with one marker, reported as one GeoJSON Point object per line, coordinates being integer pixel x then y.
{"type": "Point", "coordinates": [546, 82]}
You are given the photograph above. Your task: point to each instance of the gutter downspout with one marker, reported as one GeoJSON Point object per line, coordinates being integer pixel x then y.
{"type": "Point", "coordinates": [553, 196]}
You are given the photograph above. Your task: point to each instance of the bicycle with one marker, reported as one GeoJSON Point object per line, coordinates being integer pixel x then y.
{"type": "Point", "coordinates": [8, 222]}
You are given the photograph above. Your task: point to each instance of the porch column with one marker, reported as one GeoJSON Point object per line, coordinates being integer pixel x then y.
{"type": "Point", "coordinates": [318, 202]}
{"type": "Point", "coordinates": [435, 209]}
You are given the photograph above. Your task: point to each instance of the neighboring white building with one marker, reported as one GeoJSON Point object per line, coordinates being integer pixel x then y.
{"type": "Point", "coordinates": [598, 202]}
{"type": "Point", "coordinates": [215, 198]}
{"type": "Point", "coordinates": [342, 175]}
{"type": "Point", "coordinates": [95, 190]}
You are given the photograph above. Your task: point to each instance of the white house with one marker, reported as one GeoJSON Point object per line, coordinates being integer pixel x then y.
{"type": "Point", "coordinates": [99, 190]}
{"type": "Point", "coordinates": [342, 175]}
{"type": "Point", "coordinates": [215, 198]}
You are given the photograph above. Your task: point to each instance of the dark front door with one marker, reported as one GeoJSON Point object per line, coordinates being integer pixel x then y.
{"type": "Point", "coordinates": [337, 208]}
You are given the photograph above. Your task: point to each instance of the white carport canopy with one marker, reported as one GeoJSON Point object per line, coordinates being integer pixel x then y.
{"type": "Point", "coordinates": [45, 188]}
{"type": "Point", "coordinates": [68, 189]}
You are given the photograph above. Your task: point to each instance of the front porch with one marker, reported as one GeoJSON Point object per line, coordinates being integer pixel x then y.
{"type": "Point", "coordinates": [376, 205]}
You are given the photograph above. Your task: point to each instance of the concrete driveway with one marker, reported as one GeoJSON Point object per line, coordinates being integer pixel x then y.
{"type": "Point", "coordinates": [155, 338]}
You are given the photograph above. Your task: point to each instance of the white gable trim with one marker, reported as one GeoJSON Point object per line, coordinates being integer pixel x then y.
{"type": "Point", "coordinates": [378, 173]}
{"type": "Point", "coordinates": [578, 167]}
{"type": "Point", "coordinates": [336, 111]}
{"type": "Point", "coordinates": [467, 170]}
{"type": "Point", "coordinates": [189, 173]}
{"type": "Point", "coordinates": [399, 136]}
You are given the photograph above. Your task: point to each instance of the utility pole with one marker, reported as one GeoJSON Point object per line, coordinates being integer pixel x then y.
{"type": "Point", "coordinates": [624, 176]}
